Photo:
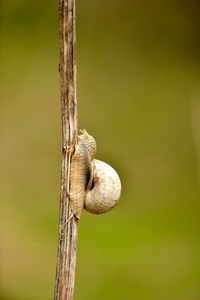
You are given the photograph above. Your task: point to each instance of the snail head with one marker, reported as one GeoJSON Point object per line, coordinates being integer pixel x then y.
{"type": "Point", "coordinates": [89, 142]}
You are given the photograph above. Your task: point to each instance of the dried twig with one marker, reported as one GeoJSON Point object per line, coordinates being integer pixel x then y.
{"type": "Point", "coordinates": [68, 224]}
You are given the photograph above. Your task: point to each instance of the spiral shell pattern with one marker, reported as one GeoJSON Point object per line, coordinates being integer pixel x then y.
{"type": "Point", "coordinates": [106, 189]}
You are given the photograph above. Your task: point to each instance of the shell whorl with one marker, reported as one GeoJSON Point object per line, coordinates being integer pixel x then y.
{"type": "Point", "coordinates": [106, 189]}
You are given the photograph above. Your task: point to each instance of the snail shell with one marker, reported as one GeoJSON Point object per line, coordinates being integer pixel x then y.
{"type": "Point", "coordinates": [106, 189]}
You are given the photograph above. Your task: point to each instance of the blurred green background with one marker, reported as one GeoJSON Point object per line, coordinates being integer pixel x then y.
{"type": "Point", "coordinates": [139, 95]}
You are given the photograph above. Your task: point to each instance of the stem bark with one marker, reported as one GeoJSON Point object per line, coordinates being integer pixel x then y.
{"type": "Point", "coordinates": [68, 223]}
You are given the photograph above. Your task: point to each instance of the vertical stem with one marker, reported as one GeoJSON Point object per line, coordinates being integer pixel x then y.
{"type": "Point", "coordinates": [68, 225]}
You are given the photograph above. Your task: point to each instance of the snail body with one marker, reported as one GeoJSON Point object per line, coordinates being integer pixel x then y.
{"type": "Point", "coordinates": [80, 172]}
{"type": "Point", "coordinates": [95, 186]}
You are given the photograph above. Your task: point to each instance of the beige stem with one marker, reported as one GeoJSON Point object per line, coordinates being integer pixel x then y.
{"type": "Point", "coordinates": [68, 226]}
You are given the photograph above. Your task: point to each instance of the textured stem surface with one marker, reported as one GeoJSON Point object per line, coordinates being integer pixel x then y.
{"type": "Point", "coordinates": [68, 224]}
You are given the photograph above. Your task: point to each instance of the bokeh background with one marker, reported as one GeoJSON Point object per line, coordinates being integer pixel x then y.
{"type": "Point", "coordinates": [139, 95]}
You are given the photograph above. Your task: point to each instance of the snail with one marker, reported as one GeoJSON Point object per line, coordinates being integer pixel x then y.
{"type": "Point", "coordinates": [95, 186]}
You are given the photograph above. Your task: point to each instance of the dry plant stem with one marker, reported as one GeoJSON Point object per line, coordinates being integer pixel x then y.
{"type": "Point", "coordinates": [68, 224]}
